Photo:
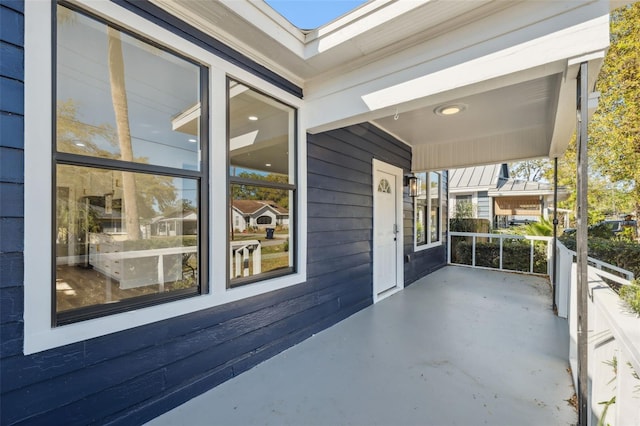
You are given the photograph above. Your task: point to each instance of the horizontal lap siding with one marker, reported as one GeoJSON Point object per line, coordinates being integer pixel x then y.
{"type": "Point", "coordinates": [134, 375]}
{"type": "Point", "coordinates": [11, 179]}
{"type": "Point", "coordinates": [340, 203]}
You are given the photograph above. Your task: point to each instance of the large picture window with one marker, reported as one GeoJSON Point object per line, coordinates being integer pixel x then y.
{"type": "Point", "coordinates": [262, 186]}
{"type": "Point", "coordinates": [129, 181]}
{"type": "Point", "coordinates": [428, 209]}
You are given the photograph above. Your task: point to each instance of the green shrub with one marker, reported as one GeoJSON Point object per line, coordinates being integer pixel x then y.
{"type": "Point", "coordinates": [543, 228]}
{"type": "Point", "coordinates": [630, 294]}
{"type": "Point", "coordinates": [600, 230]}
{"type": "Point", "coordinates": [481, 226]}
{"type": "Point", "coordinates": [623, 254]}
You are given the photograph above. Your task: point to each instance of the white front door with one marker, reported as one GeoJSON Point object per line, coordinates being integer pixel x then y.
{"type": "Point", "coordinates": [387, 230]}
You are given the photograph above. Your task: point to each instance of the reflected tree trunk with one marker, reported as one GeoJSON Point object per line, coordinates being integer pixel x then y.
{"type": "Point", "coordinates": [121, 110]}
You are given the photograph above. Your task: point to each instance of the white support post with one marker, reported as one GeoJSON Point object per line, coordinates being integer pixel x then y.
{"type": "Point", "coordinates": [161, 272]}
{"type": "Point", "coordinates": [531, 257]}
{"type": "Point", "coordinates": [257, 259]}
{"type": "Point", "coordinates": [473, 251]}
{"type": "Point", "coordinates": [238, 258]}
{"type": "Point", "coordinates": [245, 261]}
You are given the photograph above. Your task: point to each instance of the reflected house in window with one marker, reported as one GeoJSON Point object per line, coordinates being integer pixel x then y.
{"type": "Point", "coordinates": [176, 224]}
{"type": "Point", "coordinates": [257, 214]}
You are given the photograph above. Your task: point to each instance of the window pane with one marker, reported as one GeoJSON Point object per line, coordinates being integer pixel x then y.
{"type": "Point", "coordinates": [261, 136]}
{"type": "Point", "coordinates": [119, 97]}
{"type": "Point", "coordinates": [122, 235]}
{"type": "Point", "coordinates": [434, 217]}
{"type": "Point", "coordinates": [261, 238]}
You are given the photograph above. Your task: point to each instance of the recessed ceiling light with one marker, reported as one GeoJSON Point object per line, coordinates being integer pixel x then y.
{"type": "Point", "coordinates": [451, 109]}
{"type": "Point", "coordinates": [80, 144]}
{"type": "Point", "coordinates": [268, 164]}
{"type": "Point", "coordinates": [193, 140]}
{"type": "Point", "coordinates": [253, 118]}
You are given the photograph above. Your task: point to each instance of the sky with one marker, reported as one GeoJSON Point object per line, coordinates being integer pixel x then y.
{"type": "Point", "coordinates": [310, 14]}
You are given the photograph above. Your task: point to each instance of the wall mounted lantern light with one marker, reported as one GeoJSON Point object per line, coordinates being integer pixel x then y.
{"type": "Point", "coordinates": [412, 182]}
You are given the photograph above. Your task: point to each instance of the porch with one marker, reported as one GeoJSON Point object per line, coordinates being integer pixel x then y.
{"type": "Point", "coordinates": [459, 346]}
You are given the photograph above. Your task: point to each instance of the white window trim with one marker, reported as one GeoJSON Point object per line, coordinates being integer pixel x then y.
{"type": "Point", "coordinates": [416, 247]}
{"type": "Point", "coordinates": [39, 334]}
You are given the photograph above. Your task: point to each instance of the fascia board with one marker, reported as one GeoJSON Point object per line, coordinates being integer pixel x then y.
{"type": "Point", "coordinates": [342, 31]}
{"type": "Point", "coordinates": [284, 35]}
{"type": "Point", "coordinates": [262, 16]}
{"type": "Point", "coordinates": [565, 111]}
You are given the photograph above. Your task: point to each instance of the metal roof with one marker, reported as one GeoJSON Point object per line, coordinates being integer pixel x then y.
{"type": "Point", "coordinates": [479, 178]}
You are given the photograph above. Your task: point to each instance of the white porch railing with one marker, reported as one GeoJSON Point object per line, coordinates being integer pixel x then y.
{"type": "Point", "coordinates": [501, 238]}
{"type": "Point", "coordinates": [240, 253]}
{"type": "Point", "coordinates": [613, 344]}
{"type": "Point", "coordinates": [614, 332]}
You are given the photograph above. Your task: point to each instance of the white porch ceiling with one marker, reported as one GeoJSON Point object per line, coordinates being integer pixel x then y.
{"type": "Point", "coordinates": [512, 63]}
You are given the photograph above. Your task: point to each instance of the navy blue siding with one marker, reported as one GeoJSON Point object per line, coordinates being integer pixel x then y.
{"type": "Point", "coordinates": [11, 179]}
{"type": "Point", "coordinates": [134, 375]}
{"type": "Point", "coordinates": [343, 159]}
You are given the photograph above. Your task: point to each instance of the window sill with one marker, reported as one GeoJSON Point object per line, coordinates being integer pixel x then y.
{"type": "Point", "coordinates": [417, 248]}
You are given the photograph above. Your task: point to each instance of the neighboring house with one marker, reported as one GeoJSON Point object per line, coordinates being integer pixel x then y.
{"type": "Point", "coordinates": [183, 223]}
{"type": "Point", "coordinates": [168, 99]}
{"type": "Point", "coordinates": [256, 214]}
{"type": "Point", "coordinates": [492, 194]}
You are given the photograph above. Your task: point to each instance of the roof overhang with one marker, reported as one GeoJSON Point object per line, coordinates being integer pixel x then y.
{"type": "Point", "coordinates": [513, 64]}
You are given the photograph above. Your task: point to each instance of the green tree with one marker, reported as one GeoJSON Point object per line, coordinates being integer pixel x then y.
{"type": "Point", "coordinates": [530, 170]}
{"type": "Point", "coordinates": [121, 110]}
{"type": "Point", "coordinates": [614, 129]}
{"type": "Point", "coordinates": [251, 192]}
{"type": "Point", "coordinates": [604, 197]}
{"type": "Point", "coordinates": [614, 133]}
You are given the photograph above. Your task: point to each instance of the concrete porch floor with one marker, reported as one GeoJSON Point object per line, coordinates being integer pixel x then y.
{"type": "Point", "coordinates": [458, 347]}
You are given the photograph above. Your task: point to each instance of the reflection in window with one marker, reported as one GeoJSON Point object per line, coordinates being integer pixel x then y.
{"type": "Point", "coordinates": [264, 220]}
{"type": "Point", "coordinates": [428, 206]}
{"type": "Point", "coordinates": [262, 185]}
{"type": "Point", "coordinates": [119, 97]}
{"type": "Point", "coordinates": [100, 259]}
{"type": "Point", "coordinates": [434, 207]}
{"type": "Point", "coordinates": [127, 223]}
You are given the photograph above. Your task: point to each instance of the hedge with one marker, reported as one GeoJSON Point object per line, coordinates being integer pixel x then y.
{"type": "Point", "coordinates": [623, 254]}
